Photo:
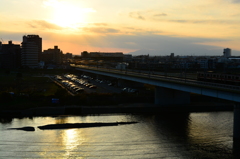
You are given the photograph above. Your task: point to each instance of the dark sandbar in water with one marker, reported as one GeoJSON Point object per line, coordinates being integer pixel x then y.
{"type": "Point", "coordinates": [81, 125]}
{"type": "Point", "coordinates": [28, 128]}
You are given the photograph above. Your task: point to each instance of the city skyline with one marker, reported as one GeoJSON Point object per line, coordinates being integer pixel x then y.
{"type": "Point", "coordinates": [153, 27]}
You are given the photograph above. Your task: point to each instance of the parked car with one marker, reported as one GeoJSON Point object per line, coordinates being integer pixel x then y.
{"type": "Point", "coordinates": [125, 89]}
{"type": "Point", "coordinates": [79, 90]}
{"type": "Point", "coordinates": [133, 91]}
{"type": "Point", "coordinates": [129, 90]}
{"type": "Point", "coordinates": [93, 86]}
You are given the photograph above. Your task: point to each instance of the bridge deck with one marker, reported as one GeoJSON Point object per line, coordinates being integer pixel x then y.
{"type": "Point", "coordinates": [217, 90]}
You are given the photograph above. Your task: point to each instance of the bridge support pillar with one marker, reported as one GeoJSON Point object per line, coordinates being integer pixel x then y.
{"type": "Point", "coordinates": [166, 96]}
{"type": "Point", "coordinates": [236, 131]}
{"type": "Point", "coordinates": [236, 123]}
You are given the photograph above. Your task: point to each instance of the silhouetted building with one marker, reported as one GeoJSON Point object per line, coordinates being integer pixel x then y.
{"type": "Point", "coordinates": [37, 40]}
{"type": "Point", "coordinates": [10, 55]}
{"type": "Point", "coordinates": [84, 54]}
{"type": "Point", "coordinates": [53, 56]}
{"type": "Point", "coordinates": [106, 56]}
{"type": "Point", "coordinates": [68, 56]}
{"type": "Point", "coordinates": [31, 46]}
{"type": "Point", "coordinates": [227, 52]}
{"type": "Point", "coordinates": [127, 57]}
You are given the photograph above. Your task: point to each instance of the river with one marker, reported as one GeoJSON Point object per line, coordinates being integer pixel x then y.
{"type": "Point", "coordinates": [191, 135]}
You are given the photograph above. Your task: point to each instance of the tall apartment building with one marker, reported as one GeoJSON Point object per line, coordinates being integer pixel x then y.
{"type": "Point", "coordinates": [10, 55]}
{"type": "Point", "coordinates": [31, 50]}
{"type": "Point", "coordinates": [227, 52]}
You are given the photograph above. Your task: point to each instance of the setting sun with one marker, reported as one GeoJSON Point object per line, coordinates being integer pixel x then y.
{"type": "Point", "coordinates": [67, 15]}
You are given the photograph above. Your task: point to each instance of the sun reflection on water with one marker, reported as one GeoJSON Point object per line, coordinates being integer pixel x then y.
{"type": "Point", "coordinates": [71, 140]}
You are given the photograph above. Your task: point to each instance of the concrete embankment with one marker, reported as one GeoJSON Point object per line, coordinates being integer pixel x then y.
{"type": "Point", "coordinates": [140, 108]}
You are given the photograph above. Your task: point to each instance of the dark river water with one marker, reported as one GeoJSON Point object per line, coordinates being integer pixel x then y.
{"type": "Point", "coordinates": [192, 135]}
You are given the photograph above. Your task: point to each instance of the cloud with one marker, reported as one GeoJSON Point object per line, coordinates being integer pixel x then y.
{"type": "Point", "coordinates": [139, 31]}
{"type": "Point", "coordinates": [42, 24]}
{"type": "Point", "coordinates": [13, 36]}
{"type": "Point", "coordinates": [158, 44]}
{"type": "Point", "coordinates": [136, 15]}
{"type": "Point", "coordinates": [100, 30]}
{"type": "Point", "coordinates": [99, 24]}
{"type": "Point", "coordinates": [147, 15]}
{"type": "Point", "coordinates": [148, 43]}
{"type": "Point", "coordinates": [160, 15]}
{"type": "Point", "coordinates": [151, 15]}
{"type": "Point", "coordinates": [236, 1]}
{"type": "Point", "coordinates": [204, 21]}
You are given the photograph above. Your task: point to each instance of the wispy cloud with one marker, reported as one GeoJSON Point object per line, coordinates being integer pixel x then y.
{"type": "Point", "coordinates": [204, 21]}
{"type": "Point", "coordinates": [147, 15]}
{"type": "Point", "coordinates": [42, 24]}
{"type": "Point", "coordinates": [136, 15]}
{"type": "Point", "coordinates": [160, 15]}
{"type": "Point", "coordinates": [100, 30]}
{"type": "Point", "coordinates": [152, 15]}
{"type": "Point", "coordinates": [99, 24]}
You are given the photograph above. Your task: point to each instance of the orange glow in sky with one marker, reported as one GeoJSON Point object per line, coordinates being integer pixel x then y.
{"type": "Point", "coordinates": [151, 26]}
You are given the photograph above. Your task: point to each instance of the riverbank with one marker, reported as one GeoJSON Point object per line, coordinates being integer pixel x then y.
{"type": "Point", "coordinates": [138, 108]}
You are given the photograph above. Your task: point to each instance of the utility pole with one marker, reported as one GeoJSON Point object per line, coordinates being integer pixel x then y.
{"type": "Point", "coordinates": [2, 40]}
{"type": "Point", "coordinates": [185, 71]}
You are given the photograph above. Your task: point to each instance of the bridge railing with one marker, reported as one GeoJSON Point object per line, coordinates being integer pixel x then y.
{"type": "Point", "coordinates": [160, 75]}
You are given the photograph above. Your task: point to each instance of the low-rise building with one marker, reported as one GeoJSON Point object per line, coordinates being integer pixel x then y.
{"type": "Point", "coordinates": [106, 56]}
{"type": "Point", "coordinates": [53, 56]}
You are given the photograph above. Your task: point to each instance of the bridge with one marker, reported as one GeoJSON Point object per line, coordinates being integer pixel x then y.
{"type": "Point", "coordinates": [174, 90]}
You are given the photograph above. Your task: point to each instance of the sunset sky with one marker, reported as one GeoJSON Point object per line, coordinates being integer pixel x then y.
{"type": "Point", "coordinates": [155, 27]}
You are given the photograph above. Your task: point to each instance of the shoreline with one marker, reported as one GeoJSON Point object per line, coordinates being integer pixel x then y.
{"type": "Point", "coordinates": [137, 108]}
